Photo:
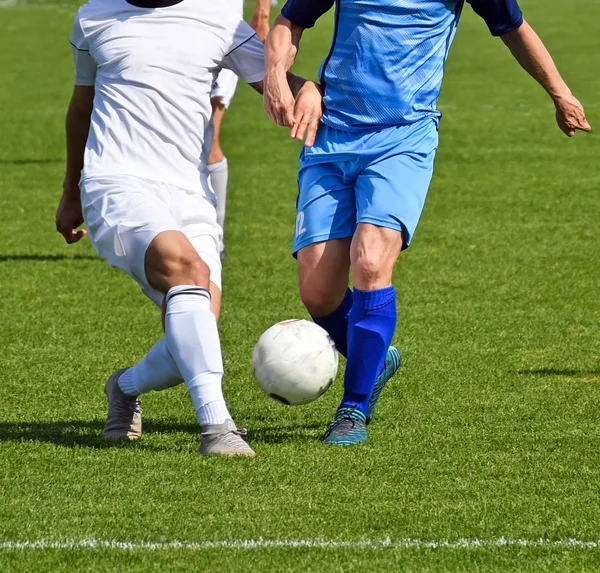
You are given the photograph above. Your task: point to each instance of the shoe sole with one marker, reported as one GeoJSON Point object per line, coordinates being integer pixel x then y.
{"type": "Point", "coordinates": [229, 454]}
{"type": "Point", "coordinates": [119, 438]}
{"type": "Point", "coordinates": [393, 361]}
{"type": "Point", "coordinates": [345, 443]}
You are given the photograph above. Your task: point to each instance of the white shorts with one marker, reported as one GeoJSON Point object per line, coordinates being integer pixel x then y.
{"type": "Point", "coordinates": [123, 214]}
{"type": "Point", "coordinates": [224, 87]}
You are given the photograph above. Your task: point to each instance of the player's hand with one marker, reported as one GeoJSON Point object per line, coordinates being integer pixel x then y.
{"type": "Point", "coordinates": [69, 217]}
{"type": "Point", "coordinates": [278, 99]}
{"type": "Point", "coordinates": [570, 115]}
{"type": "Point", "coordinates": [308, 110]}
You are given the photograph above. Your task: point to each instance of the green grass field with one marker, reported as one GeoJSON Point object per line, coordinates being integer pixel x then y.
{"type": "Point", "coordinates": [491, 431]}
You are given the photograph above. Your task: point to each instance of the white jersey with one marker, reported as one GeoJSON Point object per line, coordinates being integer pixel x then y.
{"type": "Point", "coordinates": [237, 6]}
{"type": "Point", "coordinates": [153, 69]}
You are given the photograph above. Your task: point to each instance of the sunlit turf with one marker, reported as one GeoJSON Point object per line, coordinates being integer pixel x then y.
{"type": "Point", "coordinates": [491, 429]}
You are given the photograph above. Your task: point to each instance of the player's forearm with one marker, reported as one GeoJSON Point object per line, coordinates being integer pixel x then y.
{"type": "Point", "coordinates": [262, 10]}
{"type": "Point", "coordinates": [260, 18]}
{"type": "Point", "coordinates": [530, 52]}
{"type": "Point", "coordinates": [281, 87]}
{"type": "Point", "coordinates": [281, 47]}
{"type": "Point", "coordinates": [77, 130]}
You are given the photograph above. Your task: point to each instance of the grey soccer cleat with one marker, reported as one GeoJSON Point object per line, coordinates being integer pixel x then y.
{"type": "Point", "coordinates": [224, 439]}
{"type": "Point", "coordinates": [124, 420]}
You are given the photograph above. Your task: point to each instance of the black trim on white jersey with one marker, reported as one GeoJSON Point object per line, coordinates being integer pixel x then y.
{"type": "Point", "coordinates": [78, 49]}
{"type": "Point", "coordinates": [153, 3]}
{"type": "Point", "coordinates": [239, 45]}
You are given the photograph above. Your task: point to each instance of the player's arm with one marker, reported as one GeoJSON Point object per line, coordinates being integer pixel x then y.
{"type": "Point", "coordinates": [77, 127]}
{"type": "Point", "coordinates": [260, 18]}
{"type": "Point", "coordinates": [247, 60]}
{"type": "Point", "coordinates": [505, 19]}
{"type": "Point", "coordinates": [68, 214]}
{"type": "Point", "coordinates": [281, 48]}
{"type": "Point", "coordinates": [529, 50]}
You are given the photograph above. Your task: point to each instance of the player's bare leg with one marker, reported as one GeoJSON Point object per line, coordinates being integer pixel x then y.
{"type": "Point", "coordinates": [323, 276]}
{"type": "Point", "coordinates": [174, 267]}
{"type": "Point", "coordinates": [361, 322]}
{"type": "Point", "coordinates": [218, 113]}
{"type": "Point", "coordinates": [155, 372]}
{"type": "Point", "coordinates": [373, 255]}
{"type": "Point", "coordinates": [217, 164]}
{"type": "Point", "coordinates": [191, 347]}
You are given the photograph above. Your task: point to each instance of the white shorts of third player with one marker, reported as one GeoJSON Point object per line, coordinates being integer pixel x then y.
{"type": "Point", "coordinates": [224, 87]}
{"type": "Point", "coordinates": [123, 214]}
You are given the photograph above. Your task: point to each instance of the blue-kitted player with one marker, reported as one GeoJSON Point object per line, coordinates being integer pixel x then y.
{"type": "Point", "coordinates": [365, 173]}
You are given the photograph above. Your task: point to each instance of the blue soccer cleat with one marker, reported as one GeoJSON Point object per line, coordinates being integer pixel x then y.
{"type": "Point", "coordinates": [348, 428]}
{"type": "Point", "coordinates": [392, 362]}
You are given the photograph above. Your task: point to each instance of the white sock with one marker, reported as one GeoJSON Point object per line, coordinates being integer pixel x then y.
{"type": "Point", "coordinates": [219, 175]}
{"type": "Point", "coordinates": [213, 413]}
{"type": "Point", "coordinates": [193, 341]}
{"type": "Point", "coordinates": [156, 371]}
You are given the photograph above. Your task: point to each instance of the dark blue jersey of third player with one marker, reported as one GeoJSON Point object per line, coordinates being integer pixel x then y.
{"type": "Point", "coordinates": [387, 57]}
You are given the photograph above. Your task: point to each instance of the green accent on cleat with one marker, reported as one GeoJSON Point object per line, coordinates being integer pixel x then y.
{"type": "Point", "coordinates": [348, 428]}
{"type": "Point", "coordinates": [392, 363]}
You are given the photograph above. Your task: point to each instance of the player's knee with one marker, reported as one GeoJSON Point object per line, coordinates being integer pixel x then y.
{"type": "Point", "coordinates": [318, 299]}
{"type": "Point", "coordinates": [188, 268]}
{"type": "Point", "coordinates": [172, 263]}
{"type": "Point", "coordinates": [178, 269]}
{"type": "Point", "coordinates": [369, 270]}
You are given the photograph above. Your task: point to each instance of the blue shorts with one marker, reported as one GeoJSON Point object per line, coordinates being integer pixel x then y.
{"type": "Point", "coordinates": [379, 177]}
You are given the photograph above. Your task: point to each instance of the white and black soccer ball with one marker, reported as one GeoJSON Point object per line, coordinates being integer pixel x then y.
{"type": "Point", "coordinates": [295, 362]}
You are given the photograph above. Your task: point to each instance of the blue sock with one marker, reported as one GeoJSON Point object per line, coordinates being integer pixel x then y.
{"type": "Point", "coordinates": [371, 326]}
{"type": "Point", "coordinates": [336, 323]}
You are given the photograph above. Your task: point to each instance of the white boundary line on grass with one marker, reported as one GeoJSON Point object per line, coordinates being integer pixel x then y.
{"type": "Point", "coordinates": [260, 543]}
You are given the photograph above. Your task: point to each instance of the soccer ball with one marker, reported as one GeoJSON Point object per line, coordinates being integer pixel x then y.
{"type": "Point", "coordinates": [295, 362]}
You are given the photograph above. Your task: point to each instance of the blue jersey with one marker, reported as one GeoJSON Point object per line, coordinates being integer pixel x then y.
{"type": "Point", "coordinates": [387, 57]}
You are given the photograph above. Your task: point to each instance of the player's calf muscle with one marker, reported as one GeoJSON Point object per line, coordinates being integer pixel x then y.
{"type": "Point", "coordinates": [171, 260]}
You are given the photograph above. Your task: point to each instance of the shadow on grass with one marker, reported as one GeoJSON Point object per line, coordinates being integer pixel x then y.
{"type": "Point", "coordinates": [83, 433]}
{"type": "Point", "coordinates": [69, 433]}
{"type": "Point", "coordinates": [88, 433]}
{"type": "Point", "coordinates": [571, 372]}
{"type": "Point", "coordinates": [30, 161]}
{"type": "Point", "coordinates": [282, 434]}
{"type": "Point", "coordinates": [47, 258]}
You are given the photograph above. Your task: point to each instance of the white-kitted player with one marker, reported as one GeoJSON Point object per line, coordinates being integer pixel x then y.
{"type": "Point", "coordinates": [220, 98]}
{"type": "Point", "coordinates": [135, 132]}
